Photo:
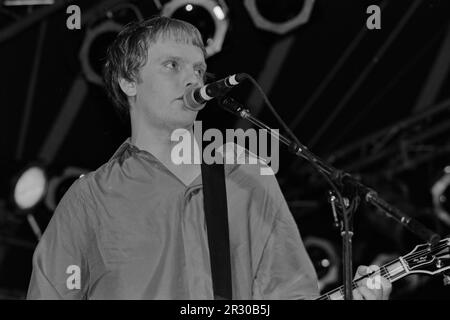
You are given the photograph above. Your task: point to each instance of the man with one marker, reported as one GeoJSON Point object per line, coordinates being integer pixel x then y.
{"type": "Point", "coordinates": [135, 227]}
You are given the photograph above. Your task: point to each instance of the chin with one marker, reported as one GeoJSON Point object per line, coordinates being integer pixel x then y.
{"type": "Point", "coordinates": [181, 117]}
{"type": "Point", "coordinates": [185, 121]}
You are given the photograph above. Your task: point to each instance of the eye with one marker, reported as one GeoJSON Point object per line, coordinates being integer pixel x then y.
{"type": "Point", "coordinates": [200, 73]}
{"type": "Point", "coordinates": [171, 64]}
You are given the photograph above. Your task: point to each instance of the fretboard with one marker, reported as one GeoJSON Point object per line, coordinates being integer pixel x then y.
{"type": "Point", "coordinates": [392, 271]}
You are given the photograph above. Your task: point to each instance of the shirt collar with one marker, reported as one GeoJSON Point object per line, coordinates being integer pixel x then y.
{"type": "Point", "coordinates": [228, 150]}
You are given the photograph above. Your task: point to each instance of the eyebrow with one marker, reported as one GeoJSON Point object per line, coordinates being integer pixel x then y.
{"type": "Point", "coordinates": [201, 64]}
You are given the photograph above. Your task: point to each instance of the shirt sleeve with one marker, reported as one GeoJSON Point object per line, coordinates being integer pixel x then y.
{"type": "Point", "coordinates": [285, 270]}
{"type": "Point", "coordinates": [59, 265]}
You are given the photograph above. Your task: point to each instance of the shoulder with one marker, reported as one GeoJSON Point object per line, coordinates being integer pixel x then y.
{"type": "Point", "coordinates": [79, 200]}
{"type": "Point", "coordinates": [235, 154]}
{"type": "Point", "coordinates": [78, 208]}
{"type": "Point", "coordinates": [75, 203]}
{"type": "Point", "coordinates": [87, 185]}
{"type": "Point", "coordinates": [249, 171]}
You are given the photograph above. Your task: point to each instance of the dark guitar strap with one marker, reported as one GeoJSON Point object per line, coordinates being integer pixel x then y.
{"type": "Point", "coordinates": [216, 215]}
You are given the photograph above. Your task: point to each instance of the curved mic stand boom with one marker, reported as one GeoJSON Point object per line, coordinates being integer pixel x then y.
{"type": "Point", "coordinates": [343, 180]}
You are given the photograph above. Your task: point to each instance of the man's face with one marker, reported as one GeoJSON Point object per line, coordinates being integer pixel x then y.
{"type": "Point", "coordinates": [171, 67]}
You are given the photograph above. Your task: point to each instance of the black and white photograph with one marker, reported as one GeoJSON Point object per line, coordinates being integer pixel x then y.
{"type": "Point", "coordinates": [248, 151]}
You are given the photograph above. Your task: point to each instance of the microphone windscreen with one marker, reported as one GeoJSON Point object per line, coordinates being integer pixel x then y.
{"type": "Point", "coordinates": [189, 99]}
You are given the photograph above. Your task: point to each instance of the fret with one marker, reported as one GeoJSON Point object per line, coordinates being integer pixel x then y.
{"type": "Point", "coordinates": [396, 269]}
{"type": "Point", "coordinates": [385, 272]}
{"type": "Point", "coordinates": [338, 295]}
{"type": "Point", "coordinates": [422, 255]}
{"type": "Point", "coordinates": [393, 271]}
{"type": "Point", "coordinates": [324, 297]}
{"type": "Point", "coordinates": [402, 261]}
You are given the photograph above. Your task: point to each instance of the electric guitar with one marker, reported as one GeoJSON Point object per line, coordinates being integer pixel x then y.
{"type": "Point", "coordinates": [424, 258]}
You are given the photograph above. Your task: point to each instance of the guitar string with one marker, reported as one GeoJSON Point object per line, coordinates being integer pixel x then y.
{"type": "Point", "coordinates": [421, 252]}
{"type": "Point", "coordinates": [355, 285]}
{"type": "Point", "coordinates": [383, 270]}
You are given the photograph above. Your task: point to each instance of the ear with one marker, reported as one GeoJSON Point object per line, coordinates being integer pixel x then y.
{"type": "Point", "coordinates": [129, 88]}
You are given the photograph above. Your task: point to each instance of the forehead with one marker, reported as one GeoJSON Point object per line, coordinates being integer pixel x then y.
{"type": "Point", "coordinates": [166, 47]}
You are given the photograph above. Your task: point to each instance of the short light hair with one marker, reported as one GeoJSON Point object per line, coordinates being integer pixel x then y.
{"type": "Point", "coordinates": [128, 53]}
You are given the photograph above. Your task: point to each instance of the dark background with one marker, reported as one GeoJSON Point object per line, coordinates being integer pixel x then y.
{"type": "Point", "coordinates": [346, 82]}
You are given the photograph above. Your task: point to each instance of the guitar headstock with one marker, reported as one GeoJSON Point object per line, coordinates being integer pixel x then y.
{"type": "Point", "coordinates": [429, 259]}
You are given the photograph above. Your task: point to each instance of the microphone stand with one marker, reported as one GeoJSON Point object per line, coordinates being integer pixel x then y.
{"type": "Point", "coordinates": [345, 181]}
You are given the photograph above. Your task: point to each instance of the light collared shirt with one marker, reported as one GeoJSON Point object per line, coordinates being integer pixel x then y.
{"type": "Point", "coordinates": [132, 230]}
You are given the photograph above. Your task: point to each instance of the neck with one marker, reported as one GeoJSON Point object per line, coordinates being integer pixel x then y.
{"type": "Point", "coordinates": [159, 143]}
{"type": "Point", "coordinates": [155, 139]}
{"type": "Point", "coordinates": [392, 271]}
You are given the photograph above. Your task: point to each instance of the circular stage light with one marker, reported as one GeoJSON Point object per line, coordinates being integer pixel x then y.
{"type": "Point", "coordinates": [209, 16]}
{"type": "Point", "coordinates": [93, 50]}
{"type": "Point", "coordinates": [29, 187]}
{"type": "Point", "coordinates": [279, 16]}
{"type": "Point", "coordinates": [440, 192]}
{"type": "Point", "coordinates": [325, 260]}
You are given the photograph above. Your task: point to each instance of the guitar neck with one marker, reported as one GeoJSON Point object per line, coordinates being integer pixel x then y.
{"type": "Point", "coordinates": [392, 271]}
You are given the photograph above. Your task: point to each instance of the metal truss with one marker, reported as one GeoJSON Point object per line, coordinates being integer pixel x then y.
{"type": "Point", "coordinates": [22, 23]}
{"type": "Point", "coordinates": [400, 146]}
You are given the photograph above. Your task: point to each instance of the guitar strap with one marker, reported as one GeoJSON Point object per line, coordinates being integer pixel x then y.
{"type": "Point", "coordinates": [216, 216]}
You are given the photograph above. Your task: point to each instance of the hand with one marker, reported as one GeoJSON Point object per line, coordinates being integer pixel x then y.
{"type": "Point", "coordinates": [373, 288]}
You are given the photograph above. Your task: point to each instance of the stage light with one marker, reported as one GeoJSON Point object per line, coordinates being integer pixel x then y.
{"type": "Point", "coordinates": [279, 16]}
{"type": "Point", "coordinates": [29, 187]}
{"type": "Point", "coordinates": [93, 50]}
{"type": "Point", "coordinates": [325, 260]}
{"type": "Point", "coordinates": [22, 187]}
{"type": "Point", "coordinates": [59, 184]}
{"type": "Point", "coordinates": [209, 16]}
{"type": "Point", "coordinates": [27, 2]}
{"type": "Point", "coordinates": [440, 192]}
{"type": "Point", "coordinates": [219, 12]}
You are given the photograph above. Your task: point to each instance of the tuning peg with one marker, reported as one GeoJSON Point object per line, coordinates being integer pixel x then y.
{"type": "Point", "coordinates": [446, 279]}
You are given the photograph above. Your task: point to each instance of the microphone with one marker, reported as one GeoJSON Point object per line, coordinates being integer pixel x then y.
{"type": "Point", "coordinates": [195, 97]}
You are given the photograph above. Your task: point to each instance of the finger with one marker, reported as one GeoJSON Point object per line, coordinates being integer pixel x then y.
{"type": "Point", "coordinates": [372, 268]}
{"type": "Point", "coordinates": [369, 294]}
{"type": "Point", "coordinates": [357, 295]}
{"type": "Point", "coordinates": [386, 287]}
{"type": "Point", "coordinates": [364, 270]}
{"type": "Point", "coordinates": [361, 271]}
